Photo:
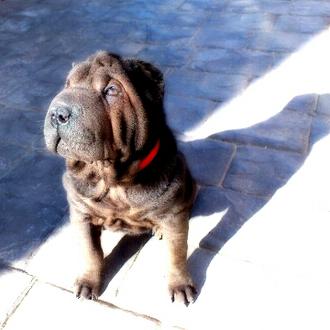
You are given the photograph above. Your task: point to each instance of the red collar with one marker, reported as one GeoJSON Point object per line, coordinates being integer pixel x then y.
{"type": "Point", "coordinates": [150, 157]}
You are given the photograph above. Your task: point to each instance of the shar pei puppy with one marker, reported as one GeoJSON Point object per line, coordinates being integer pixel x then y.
{"type": "Point", "coordinates": [123, 170]}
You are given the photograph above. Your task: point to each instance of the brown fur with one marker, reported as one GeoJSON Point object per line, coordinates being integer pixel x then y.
{"type": "Point", "coordinates": [104, 132]}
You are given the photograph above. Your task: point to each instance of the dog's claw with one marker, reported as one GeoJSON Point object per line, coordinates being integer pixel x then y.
{"type": "Point", "coordinates": [84, 290]}
{"type": "Point", "coordinates": [185, 293]}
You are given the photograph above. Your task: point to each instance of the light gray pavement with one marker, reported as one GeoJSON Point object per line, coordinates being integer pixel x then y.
{"type": "Point", "coordinates": [247, 95]}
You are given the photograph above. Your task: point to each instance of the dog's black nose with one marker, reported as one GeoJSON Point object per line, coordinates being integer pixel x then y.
{"type": "Point", "coordinates": [60, 116]}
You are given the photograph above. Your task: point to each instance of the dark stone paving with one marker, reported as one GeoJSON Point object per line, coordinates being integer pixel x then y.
{"type": "Point", "coordinates": [261, 171]}
{"type": "Point", "coordinates": [197, 84]}
{"type": "Point", "coordinates": [209, 51]}
{"type": "Point", "coordinates": [246, 62]}
{"type": "Point", "coordinates": [184, 112]}
{"type": "Point", "coordinates": [208, 160]}
{"type": "Point", "coordinates": [33, 204]}
{"type": "Point", "coordinates": [289, 131]}
{"type": "Point", "coordinates": [239, 206]}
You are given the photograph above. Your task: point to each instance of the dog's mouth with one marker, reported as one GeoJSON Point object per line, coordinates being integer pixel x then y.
{"type": "Point", "coordinates": [56, 144]}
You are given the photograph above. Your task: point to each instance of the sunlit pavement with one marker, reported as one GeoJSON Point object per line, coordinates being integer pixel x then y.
{"type": "Point", "coordinates": [248, 97]}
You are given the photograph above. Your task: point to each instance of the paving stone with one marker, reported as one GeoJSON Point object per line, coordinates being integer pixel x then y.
{"type": "Point", "coordinates": [206, 85]}
{"type": "Point", "coordinates": [279, 41]}
{"type": "Point", "coordinates": [29, 124]}
{"type": "Point", "coordinates": [10, 84]}
{"type": "Point", "coordinates": [40, 43]}
{"type": "Point", "coordinates": [184, 112]}
{"type": "Point", "coordinates": [62, 254]}
{"type": "Point", "coordinates": [56, 260]}
{"type": "Point", "coordinates": [275, 7]}
{"type": "Point", "coordinates": [250, 63]}
{"type": "Point", "coordinates": [208, 160]}
{"type": "Point", "coordinates": [261, 171]}
{"type": "Point", "coordinates": [320, 129]}
{"type": "Point", "coordinates": [180, 17]}
{"type": "Point", "coordinates": [301, 24]}
{"type": "Point", "coordinates": [37, 312]}
{"type": "Point", "coordinates": [196, 5]}
{"type": "Point", "coordinates": [164, 56]}
{"type": "Point", "coordinates": [36, 96]}
{"type": "Point", "coordinates": [20, 64]}
{"type": "Point", "coordinates": [39, 175]}
{"type": "Point", "coordinates": [61, 4]}
{"type": "Point", "coordinates": [304, 103]}
{"type": "Point", "coordinates": [14, 7]}
{"type": "Point", "coordinates": [153, 259]}
{"type": "Point", "coordinates": [267, 237]}
{"type": "Point", "coordinates": [128, 49]}
{"type": "Point", "coordinates": [38, 10]}
{"type": "Point", "coordinates": [242, 6]}
{"type": "Point", "coordinates": [237, 22]}
{"type": "Point", "coordinates": [245, 205]}
{"type": "Point", "coordinates": [136, 32]}
{"type": "Point", "coordinates": [205, 37]}
{"type": "Point", "coordinates": [97, 11]}
{"type": "Point", "coordinates": [163, 6]}
{"type": "Point", "coordinates": [323, 106]}
{"type": "Point", "coordinates": [210, 208]}
{"type": "Point", "coordinates": [259, 257]}
{"type": "Point", "coordinates": [232, 210]}
{"type": "Point", "coordinates": [84, 41]}
{"type": "Point", "coordinates": [162, 33]}
{"type": "Point", "coordinates": [131, 13]}
{"type": "Point", "coordinates": [209, 200]}
{"type": "Point", "coordinates": [54, 71]}
{"type": "Point", "coordinates": [235, 280]}
{"type": "Point", "coordinates": [33, 205]}
{"type": "Point", "coordinates": [16, 24]}
{"type": "Point", "coordinates": [310, 8]}
{"type": "Point", "coordinates": [288, 130]}
{"type": "Point", "coordinates": [10, 155]}
{"type": "Point", "coordinates": [13, 285]}
{"type": "Point", "coordinates": [202, 264]}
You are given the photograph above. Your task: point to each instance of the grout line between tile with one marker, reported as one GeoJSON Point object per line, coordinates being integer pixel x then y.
{"type": "Point", "coordinates": [108, 305]}
{"type": "Point", "coordinates": [34, 280]}
{"type": "Point", "coordinates": [18, 302]}
{"type": "Point", "coordinates": [220, 184]}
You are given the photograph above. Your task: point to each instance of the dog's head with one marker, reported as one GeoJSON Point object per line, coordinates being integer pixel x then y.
{"type": "Point", "coordinates": [110, 109]}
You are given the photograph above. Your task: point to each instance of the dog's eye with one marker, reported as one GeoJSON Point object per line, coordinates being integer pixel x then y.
{"type": "Point", "coordinates": [112, 90]}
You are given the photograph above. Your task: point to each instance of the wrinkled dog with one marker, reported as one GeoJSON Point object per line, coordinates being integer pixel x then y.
{"type": "Point", "coordinates": [123, 171]}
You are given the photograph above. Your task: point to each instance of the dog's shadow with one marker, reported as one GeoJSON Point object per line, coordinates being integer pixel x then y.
{"type": "Point", "coordinates": [268, 153]}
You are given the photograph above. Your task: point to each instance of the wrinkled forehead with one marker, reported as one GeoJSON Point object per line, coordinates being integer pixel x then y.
{"type": "Point", "coordinates": [97, 71]}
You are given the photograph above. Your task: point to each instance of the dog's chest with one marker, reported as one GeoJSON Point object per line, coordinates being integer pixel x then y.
{"type": "Point", "coordinates": [117, 212]}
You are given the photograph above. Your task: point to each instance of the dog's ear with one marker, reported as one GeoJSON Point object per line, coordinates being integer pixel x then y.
{"type": "Point", "coordinates": [147, 80]}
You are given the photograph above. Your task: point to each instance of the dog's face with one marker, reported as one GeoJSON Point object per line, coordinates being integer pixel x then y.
{"type": "Point", "coordinates": [108, 110]}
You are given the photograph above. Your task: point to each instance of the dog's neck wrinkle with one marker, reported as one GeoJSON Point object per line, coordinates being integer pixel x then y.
{"type": "Point", "coordinates": [160, 169]}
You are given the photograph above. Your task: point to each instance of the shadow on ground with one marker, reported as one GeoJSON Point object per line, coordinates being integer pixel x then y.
{"type": "Point", "coordinates": [268, 154]}
{"type": "Point", "coordinates": [264, 162]}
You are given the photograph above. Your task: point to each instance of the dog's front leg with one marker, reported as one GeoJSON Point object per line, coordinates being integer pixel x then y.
{"type": "Point", "coordinates": [180, 284]}
{"type": "Point", "coordinates": [88, 283]}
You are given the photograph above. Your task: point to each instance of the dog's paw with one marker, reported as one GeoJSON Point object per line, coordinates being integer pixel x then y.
{"type": "Point", "coordinates": [85, 289]}
{"type": "Point", "coordinates": [183, 292]}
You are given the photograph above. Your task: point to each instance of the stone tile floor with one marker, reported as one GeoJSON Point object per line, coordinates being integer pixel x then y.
{"type": "Point", "coordinates": [248, 98]}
